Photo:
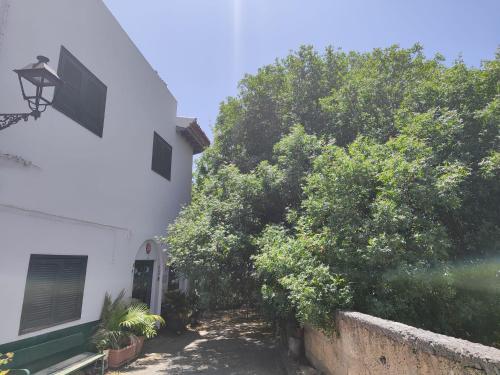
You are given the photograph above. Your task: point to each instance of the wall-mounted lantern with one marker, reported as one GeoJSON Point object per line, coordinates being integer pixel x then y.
{"type": "Point", "coordinates": [33, 78]}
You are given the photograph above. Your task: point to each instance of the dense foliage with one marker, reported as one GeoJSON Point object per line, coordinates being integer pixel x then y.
{"type": "Point", "coordinates": [368, 181]}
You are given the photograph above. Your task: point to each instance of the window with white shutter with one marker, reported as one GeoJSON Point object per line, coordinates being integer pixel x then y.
{"type": "Point", "coordinates": [54, 291]}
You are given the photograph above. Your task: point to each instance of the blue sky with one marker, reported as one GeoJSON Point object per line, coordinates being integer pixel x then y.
{"type": "Point", "coordinates": [201, 48]}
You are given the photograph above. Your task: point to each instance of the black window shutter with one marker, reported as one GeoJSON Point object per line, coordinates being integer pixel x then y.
{"type": "Point", "coordinates": [67, 96]}
{"type": "Point", "coordinates": [162, 157]}
{"type": "Point", "coordinates": [93, 103]}
{"type": "Point", "coordinates": [54, 291]}
{"type": "Point", "coordinates": [38, 294]}
{"type": "Point", "coordinates": [82, 97]}
{"type": "Point", "coordinates": [70, 284]}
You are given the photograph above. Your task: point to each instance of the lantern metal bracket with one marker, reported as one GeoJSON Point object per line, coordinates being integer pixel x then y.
{"type": "Point", "coordinates": [41, 76]}
{"type": "Point", "coordinates": [8, 119]}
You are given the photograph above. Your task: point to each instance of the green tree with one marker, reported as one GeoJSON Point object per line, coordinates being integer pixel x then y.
{"type": "Point", "coordinates": [211, 240]}
{"type": "Point", "coordinates": [363, 180]}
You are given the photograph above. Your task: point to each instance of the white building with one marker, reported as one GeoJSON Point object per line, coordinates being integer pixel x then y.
{"type": "Point", "coordinates": [80, 202]}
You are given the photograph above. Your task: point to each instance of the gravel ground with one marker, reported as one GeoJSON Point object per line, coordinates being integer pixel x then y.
{"type": "Point", "coordinates": [227, 343]}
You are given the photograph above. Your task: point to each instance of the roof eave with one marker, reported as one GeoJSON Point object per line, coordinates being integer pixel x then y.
{"type": "Point", "coordinates": [195, 136]}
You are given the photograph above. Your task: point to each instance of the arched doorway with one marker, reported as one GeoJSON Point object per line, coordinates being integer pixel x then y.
{"type": "Point", "coordinates": [148, 273]}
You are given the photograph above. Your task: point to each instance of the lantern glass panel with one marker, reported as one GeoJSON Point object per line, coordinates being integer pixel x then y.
{"type": "Point", "coordinates": [39, 73]}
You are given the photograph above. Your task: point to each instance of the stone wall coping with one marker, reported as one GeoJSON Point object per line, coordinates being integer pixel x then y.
{"type": "Point", "coordinates": [433, 343]}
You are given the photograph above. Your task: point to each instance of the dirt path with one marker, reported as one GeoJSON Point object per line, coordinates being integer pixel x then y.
{"type": "Point", "coordinates": [225, 344]}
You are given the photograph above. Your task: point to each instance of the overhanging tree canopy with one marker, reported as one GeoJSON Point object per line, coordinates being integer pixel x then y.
{"type": "Point", "coordinates": [341, 179]}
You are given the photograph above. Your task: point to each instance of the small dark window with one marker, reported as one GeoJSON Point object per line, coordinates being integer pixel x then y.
{"type": "Point", "coordinates": [54, 291]}
{"type": "Point", "coordinates": [82, 97]}
{"type": "Point", "coordinates": [162, 157]}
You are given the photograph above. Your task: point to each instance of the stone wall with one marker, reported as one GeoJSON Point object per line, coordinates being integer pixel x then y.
{"type": "Point", "coordinates": [363, 344]}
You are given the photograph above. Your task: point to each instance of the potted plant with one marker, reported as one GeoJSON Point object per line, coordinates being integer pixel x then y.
{"type": "Point", "coordinates": [141, 324]}
{"type": "Point", "coordinates": [121, 328]}
{"type": "Point", "coordinates": [111, 335]}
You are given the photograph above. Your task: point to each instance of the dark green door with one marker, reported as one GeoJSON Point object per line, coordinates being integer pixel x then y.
{"type": "Point", "coordinates": [143, 280]}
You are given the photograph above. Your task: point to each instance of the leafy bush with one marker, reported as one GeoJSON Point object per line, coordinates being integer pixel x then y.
{"type": "Point", "coordinates": [178, 302]}
{"type": "Point", "coordinates": [295, 281]}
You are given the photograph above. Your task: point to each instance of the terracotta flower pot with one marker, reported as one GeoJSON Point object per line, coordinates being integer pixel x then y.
{"type": "Point", "coordinates": [118, 357]}
{"type": "Point", "coordinates": [139, 344]}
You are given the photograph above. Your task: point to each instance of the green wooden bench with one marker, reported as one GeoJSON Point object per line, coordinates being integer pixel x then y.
{"type": "Point", "coordinates": [59, 356]}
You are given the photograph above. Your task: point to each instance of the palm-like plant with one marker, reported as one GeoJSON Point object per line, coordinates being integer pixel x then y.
{"type": "Point", "coordinates": [140, 321]}
{"type": "Point", "coordinates": [110, 333]}
{"type": "Point", "coordinates": [120, 320]}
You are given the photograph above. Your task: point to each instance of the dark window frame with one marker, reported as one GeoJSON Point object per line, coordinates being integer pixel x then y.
{"type": "Point", "coordinates": [61, 261]}
{"type": "Point", "coordinates": [81, 114]}
{"type": "Point", "coordinates": [160, 145]}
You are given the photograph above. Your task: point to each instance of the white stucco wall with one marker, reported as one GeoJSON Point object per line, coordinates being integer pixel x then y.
{"type": "Point", "coordinates": [81, 194]}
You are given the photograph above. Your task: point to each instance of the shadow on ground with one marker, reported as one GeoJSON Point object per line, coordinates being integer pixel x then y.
{"type": "Point", "coordinates": [227, 343]}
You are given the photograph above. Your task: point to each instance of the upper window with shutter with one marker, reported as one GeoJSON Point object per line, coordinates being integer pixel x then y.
{"type": "Point", "coordinates": [82, 97]}
{"type": "Point", "coordinates": [162, 157]}
{"type": "Point", "coordinates": [54, 291]}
